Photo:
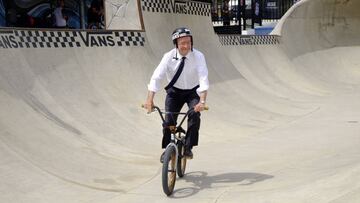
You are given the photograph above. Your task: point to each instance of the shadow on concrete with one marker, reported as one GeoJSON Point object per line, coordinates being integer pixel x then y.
{"type": "Point", "coordinates": [201, 180]}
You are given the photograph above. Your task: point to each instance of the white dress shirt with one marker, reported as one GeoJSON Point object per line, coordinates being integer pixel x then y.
{"type": "Point", "coordinates": [59, 18]}
{"type": "Point", "coordinates": [195, 71]}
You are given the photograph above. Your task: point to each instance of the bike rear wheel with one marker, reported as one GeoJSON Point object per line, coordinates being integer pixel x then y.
{"type": "Point", "coordinates": [169, 170]}
{"type": "Point", "coordinates": [181, 165]}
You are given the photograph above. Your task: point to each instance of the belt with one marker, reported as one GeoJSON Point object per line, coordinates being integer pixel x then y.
{"type": "Point", "coordinates": [186, 90]}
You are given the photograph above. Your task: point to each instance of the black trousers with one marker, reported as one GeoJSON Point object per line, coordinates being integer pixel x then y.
{"type": "Point", "coordinates": [175, 100]}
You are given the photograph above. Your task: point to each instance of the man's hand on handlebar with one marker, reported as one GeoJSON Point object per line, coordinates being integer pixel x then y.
{"type": "Point", "coordinates": [149, 103]}
{"type": "Point", "coordinates": [149, 106]}
{"type": "Point", "coordinates": [200, 107]}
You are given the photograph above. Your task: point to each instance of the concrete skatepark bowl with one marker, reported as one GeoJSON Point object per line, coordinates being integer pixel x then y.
{"type": "Point", "coordinates": [283, 124]}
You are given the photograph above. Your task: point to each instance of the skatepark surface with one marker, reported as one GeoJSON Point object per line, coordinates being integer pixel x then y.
{"type": "Point", "coordinates": [283, 124]}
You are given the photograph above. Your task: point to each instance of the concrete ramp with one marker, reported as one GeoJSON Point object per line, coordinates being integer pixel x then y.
{"type": "Point", "coordinates": [283, 124]}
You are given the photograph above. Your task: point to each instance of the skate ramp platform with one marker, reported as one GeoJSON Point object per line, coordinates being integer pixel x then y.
{"type": "Point", "coordinates": [283, 124]}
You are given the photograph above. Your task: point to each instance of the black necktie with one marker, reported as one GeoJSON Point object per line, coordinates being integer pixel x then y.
{"type": "Point", "coordinates": [177, 74]}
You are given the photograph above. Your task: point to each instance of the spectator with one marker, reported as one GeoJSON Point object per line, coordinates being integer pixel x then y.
{"type": "Point", "coordinates": [31, 22]}
{"type": "Point", "coordinates": [60, 18]}
{"type": "Point", "coordinates": [214, 16]}
{"type": "Point", "coordinates": [12, 18]}
{"type": "Point", "coordinates": [225, 13]}
{"type": "Point", "coordinates": [95, 14]}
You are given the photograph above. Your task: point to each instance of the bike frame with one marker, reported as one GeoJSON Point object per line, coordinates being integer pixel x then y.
{"type": "Point", "coordinates": [176, 141]}
{"type": "Point", "coordinates": [174, 130]}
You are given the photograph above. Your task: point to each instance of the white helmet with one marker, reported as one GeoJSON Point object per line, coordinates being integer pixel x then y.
{"type": "Point", "coordinates": [181, 32]}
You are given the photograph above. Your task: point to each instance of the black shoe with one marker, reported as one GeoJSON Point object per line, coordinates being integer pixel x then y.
{"type": "Point", "coordinates": [188, 154]}
{"type": "Point", "coordinates": [162, 157]}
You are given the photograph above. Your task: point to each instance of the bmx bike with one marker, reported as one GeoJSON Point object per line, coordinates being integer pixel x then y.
{"type": "Point", "coordinates": [174, 160]}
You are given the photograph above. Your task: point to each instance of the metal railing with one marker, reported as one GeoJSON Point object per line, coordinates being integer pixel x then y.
{"type": "Point", "coordinates": [236, 15]}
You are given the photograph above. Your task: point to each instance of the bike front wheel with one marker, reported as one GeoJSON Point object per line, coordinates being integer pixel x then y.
{"type": "Point", "coordinates": [169, 170]}
{"type": "Point", "coordinates": [181, 165]}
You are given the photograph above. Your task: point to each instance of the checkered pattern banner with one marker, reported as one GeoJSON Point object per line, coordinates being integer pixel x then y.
{"type": "Point", "coordinates": [156, 6]}
{"type": "Point", "coordinates": [233, 40]}
{"type": "Point", "coordinates": [177, 6]}
{"type": "Point", "coordinates": [197, 8]}
{"type": "Point", "coordinates": [68, 39]}
{"type": "Point", "coordinates": [129, 39]}
{"type": "Point", "coordinates": [41, 39]}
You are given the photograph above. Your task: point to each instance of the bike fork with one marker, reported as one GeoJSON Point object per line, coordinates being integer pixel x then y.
{"type": "Point", "coordinates": [172, 144]}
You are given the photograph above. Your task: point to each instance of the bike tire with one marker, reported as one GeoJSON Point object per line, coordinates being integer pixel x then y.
{"type": "Point", "coordinates": [181, 165]}
{"type": "Point", "coordinates": [169, 170]}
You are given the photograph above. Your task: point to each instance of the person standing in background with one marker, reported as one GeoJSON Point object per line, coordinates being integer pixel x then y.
{"type": "Point", "coordinates": [60, 18]}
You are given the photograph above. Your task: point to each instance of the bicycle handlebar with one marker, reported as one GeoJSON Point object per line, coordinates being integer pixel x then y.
{"type": "Point", "coordinates": [163, 119]}
{"type": "Point", "coordinates": [164, 112]}
{"type": "Point", "coordinates": [206, 108]}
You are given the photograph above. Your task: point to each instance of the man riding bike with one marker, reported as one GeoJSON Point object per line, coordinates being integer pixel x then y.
{"type": "Point", "coordinates": [185, 69]}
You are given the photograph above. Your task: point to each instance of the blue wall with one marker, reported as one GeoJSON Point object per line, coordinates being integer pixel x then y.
{"type": "Point", "coordinates": [2, 14]}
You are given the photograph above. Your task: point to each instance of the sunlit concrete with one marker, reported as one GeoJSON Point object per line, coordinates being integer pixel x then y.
{"type": "Point", "coordinates": [283, 124]}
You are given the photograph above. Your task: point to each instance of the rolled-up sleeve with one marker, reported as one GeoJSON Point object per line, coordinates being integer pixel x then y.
{"type": "Point", "coordinates": [203, 74]}
{"type": "Point", "coordinates": [158, 75]}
